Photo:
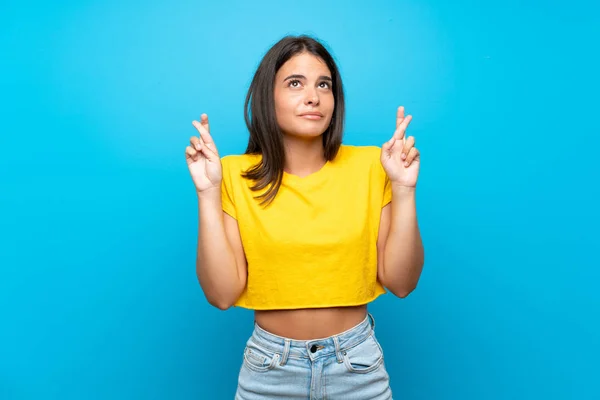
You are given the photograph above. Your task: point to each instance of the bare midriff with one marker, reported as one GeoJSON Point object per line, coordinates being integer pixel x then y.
{"type": "Point", "coordinates": [309, 324]}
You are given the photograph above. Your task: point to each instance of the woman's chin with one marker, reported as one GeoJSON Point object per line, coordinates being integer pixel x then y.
{"type": "Point", "coordinates": [308, 132]}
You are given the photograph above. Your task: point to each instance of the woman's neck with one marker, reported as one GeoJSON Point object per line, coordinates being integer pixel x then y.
{"type": "Point", "coordinates": [303, 157]}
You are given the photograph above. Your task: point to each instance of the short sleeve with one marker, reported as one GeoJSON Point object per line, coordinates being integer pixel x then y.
{"type": "Point", "coordinates": [382, 181]}
{"type": "Point", "coordinates": [387, 191]}
{"type": "Point", "coordinates": [227, 202]}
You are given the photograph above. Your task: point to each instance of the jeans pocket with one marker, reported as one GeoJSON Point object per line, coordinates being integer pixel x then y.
{"type": "Point", "coordinates": [365, 357]}
{"type": "Point", "coordinates": [258, 359]}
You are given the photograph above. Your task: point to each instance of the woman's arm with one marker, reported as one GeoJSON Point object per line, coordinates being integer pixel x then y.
{"type": "Point", "coordinates": [220, 261]}
{"type": "Point", "coordinates": [221, 264]}
{"type": "Point", "coordinates": [400, 249]}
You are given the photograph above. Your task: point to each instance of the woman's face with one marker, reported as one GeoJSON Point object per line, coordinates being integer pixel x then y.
{"type": "Point", "coordinates": [303, 96]}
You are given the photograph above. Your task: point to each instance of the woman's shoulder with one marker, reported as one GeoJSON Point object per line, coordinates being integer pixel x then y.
{"type": "Point", "coordinates": [359, 153]}
{"type": "Point", "coordinates": [239, 162]}
{"type": "Point", "coordinates": [365, 158]}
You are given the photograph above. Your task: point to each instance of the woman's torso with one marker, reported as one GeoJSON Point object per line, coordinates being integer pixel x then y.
{"type": "Point", "coordinates": [312, 257]}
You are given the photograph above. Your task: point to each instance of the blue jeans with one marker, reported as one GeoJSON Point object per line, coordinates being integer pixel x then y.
{"type": "Point", "coordinates": [345, 366]}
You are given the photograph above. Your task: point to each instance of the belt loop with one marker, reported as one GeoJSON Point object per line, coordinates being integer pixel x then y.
{"type": "Point", "coordinates": [286, 352]}
{"type": "Point", "coordinates": [338, 351]}
{"type": "Point", "coordinates": [372, 321]}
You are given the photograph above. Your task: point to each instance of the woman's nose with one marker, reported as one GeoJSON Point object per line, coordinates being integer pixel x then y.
{"type": "Point", "coordinates": [312, 98]}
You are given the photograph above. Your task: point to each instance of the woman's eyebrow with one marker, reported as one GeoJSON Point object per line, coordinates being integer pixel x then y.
{"type": "Point", "coordinates": [298, 76]}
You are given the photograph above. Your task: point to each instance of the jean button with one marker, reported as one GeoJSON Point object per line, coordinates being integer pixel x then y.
{"type": "Point", "coordinates": [313, 348]}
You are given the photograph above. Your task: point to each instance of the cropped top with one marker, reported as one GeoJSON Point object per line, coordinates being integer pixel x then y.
{"type": "Point", "coordinates": [315, 244]}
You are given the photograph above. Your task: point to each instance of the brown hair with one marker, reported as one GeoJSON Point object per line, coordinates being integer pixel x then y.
{"type": "Point", "coordinates": [266, 137]}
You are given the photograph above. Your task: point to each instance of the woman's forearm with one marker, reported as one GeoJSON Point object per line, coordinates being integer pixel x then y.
{"type": "Point", "coordinates": [215, 264]}
{"type": "Point", "coordinates": [404, 254]}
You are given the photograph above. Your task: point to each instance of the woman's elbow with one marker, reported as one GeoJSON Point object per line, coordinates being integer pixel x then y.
{"type": "Point", "coordinates": [404, 292]}
{"type": "Point", "coordinates": [221, 305]}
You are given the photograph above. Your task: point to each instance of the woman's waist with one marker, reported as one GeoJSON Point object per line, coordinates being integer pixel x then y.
{"type": "Point", "coordinates": [310, 323]}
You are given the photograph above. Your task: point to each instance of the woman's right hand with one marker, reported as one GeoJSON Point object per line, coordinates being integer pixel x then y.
{"type": "Point", "coordinates": [203, 158]}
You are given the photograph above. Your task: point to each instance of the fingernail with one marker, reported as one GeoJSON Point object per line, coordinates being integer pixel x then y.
{"type": "Point", "coordinates": [403, 156]}
{"type": "Point", "coordinates": [406, 164]}
{"type": "Point", "coordinates": [197, 146]}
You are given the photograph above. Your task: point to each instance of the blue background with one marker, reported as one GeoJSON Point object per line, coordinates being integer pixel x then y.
{"type": "Point", "coordinates": [98, 293]}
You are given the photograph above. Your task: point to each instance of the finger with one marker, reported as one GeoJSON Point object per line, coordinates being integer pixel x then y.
{"type": "Point", "coordinates": [408, 144]}
{"type": "Point", "coordinates": [205, 136]}
{"type": "Point", "coordinates": [195, 142]}
{"type": "Point", "coordinates": [393, 143]}
{"type": "Point", "coordinates": [204, 122]}
{"type": "Point", "coordinates": [387, 146]}
{"type": "Point", "coordinates": [199, 128]}
{"type": "Point", "coordinates": [202, 128]}
{"type": "Point", "coordinates": [399, 116]}
{"type": "Point", "coordinates": [412, 155]}
{"type": "Point", "coordinates": [399, 134]}
{"type": "Point", "coordinates": [207, 152]}
{"type": "Point", "coordinates": [191, 153]}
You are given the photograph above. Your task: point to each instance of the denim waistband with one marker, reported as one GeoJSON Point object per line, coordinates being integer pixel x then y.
{"type": "Point", "coordinates": [314, 348]}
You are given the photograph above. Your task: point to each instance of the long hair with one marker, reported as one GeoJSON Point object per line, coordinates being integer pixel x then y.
{"type": "Point", "coordinates": [266, 137]}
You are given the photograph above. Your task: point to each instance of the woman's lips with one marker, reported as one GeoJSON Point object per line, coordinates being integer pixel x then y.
{"type": "Point", "coordinates": [311, 116]}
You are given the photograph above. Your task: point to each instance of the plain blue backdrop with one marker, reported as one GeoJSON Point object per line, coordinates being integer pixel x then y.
{"type": "Point", "coordinates": [98, 217]}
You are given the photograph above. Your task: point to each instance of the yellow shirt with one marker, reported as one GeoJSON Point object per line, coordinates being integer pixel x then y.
{"type": "Point", "coordinates": [315, 244]}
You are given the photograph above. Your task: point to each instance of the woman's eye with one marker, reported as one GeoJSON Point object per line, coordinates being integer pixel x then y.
{"type": "Point", "coordinates": [296, 84]}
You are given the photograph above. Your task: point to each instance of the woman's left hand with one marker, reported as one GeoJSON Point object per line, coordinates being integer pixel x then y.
{"type": "Point", "coordinates": [399, 156]}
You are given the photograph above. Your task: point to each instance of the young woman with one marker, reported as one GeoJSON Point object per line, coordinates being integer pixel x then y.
{"type": "Point", "coordinates": [306, 231]}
